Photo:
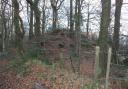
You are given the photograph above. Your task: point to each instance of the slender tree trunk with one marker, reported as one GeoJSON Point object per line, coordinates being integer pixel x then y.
{"type": "Point", "coordinates": [76, 14]}
{"type": "Point", "coordinates": [37, 19]}
{"type": "Point", "coordinates": [116, 29]}
{"type": "Point", "coordinates": [31, 24]}
{"type": "Point", "coordinates": [103, 36]}
{"type": "Point", "coordinates": [71, 18]}
{"type": "Point", "coordinates": [1, 48]}
{"type": "Point", "coordinates": [78, 33]}
{"type": "Point", "coordinates": [3, 31]}
{"type": "Point", "coordinates": [54, 23]}
{"type": "Point", "coordinates": [88, 19]}
{"type": "Point", "coordinates": [9, 31]}
{"type": "Point", "coordinates": [43, 19]}
{"type": "Point", "coordinates": [12, 25]}
{"type": "Point", "coordinates": [43, 23]}
{"type": "Point", "coordinates": [1, 42]}
{"type": "Point", "coordinates": [68, 20]}
{"type": "Point", "coordinates": [78, 30]}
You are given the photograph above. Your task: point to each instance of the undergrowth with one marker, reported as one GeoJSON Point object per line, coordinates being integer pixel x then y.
{"type": "Point", "coordinates": [22, 65]}
{"type": "Point", "coordinates": [91, 85]}
{"type": "Point", "coordinates": [19, 64]}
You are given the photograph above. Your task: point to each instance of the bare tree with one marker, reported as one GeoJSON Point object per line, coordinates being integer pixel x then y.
{"type": "Point", "coordinates": [4, 30]}
{"type": "Point", "coordinates": [78, 31]}
{"type": "Point", "coordinates": [37, 14]}
{"type": "Point", "coordinates": [55, 7]}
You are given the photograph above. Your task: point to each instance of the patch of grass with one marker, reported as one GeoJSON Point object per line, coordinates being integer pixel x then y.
{"type": "Point", "coordinates": [51, 66]}
{"type": "Point", "coordinates": [34, 62]}
{"type": "Point", "coordinates": [19, 66]}
{"type": "Point", "coordinates": [22, 63]}
{"type": "Point", "coordinates": [33, 52]}
{"type": "Point", "coordinates": [37, 52]}
{"type": "Point", "coordinates": [42, 76]}
{"type": "Point", "coordinates": [53, 78]}
{"type": "Point", "coordinates": [91, 85]}
{"type": "Point", "coordinates": [87, 45]}
{"type": "Point", "coordinates": [46, 60]}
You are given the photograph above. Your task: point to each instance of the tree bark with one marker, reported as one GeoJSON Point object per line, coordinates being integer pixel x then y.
{"type": "Point", "coordinates": [37, 19]}
{"type": "Point", "coordinates": [37, 14]}
{"type": "Point", "coordinates": [31, 24]}
{"type": "Point", "coordinates": [19, 29]}
{"type": "Point", "coordinates": [116, 30]}
{"type": "Point", "coordinates": [77, 32]}
{"type": "Point", "coordinates": [54, 18]}
{"type": "Point", "coordinates": [43, 19]}
{"type": "Point", "coordinates": [3, 26]}
{"type": "Point", "coordinates": [103, 36]}
{"type": "Point", "coordinates": [88, 21]}
{"type": "Point", "coordinates": [71, 19]}
{"type": "Point", "coordinates": [1, 47]}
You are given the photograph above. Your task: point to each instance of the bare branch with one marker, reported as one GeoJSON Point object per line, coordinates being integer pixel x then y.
{"type": "Point", "coordinates": [58, 7]}
{"type": "Point", "coordinates": [30, 2]}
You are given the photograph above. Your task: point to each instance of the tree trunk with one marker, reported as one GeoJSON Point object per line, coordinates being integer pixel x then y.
{"type": "Point", "coordinates": [37, 15]}
{"type": "Point", "coordinates": [4, 32]}
{"type": "Point", "coordinates": [103, 36]}
{"type": "Point", "coordinates": [1, 47]}
{"type": "Point", "coordinates": [3, 26]}
{"type": "Point", "coordinates": [37, 19]}
{"type": "Point", "coordinates": [55, 8]}
{"type": "Point", "coordinates": [76, 14]}
{"type": "Point", "coordinates": [43, 19]}
{"type": "Point", "coordinates": [54, 23]}
{"type": "Point", "coordinates": [88, 19]}
{"type": "Point", "coordinates": [31, 24]}
{"type": "Point", "coordinates": [1, 42]}
{"type": "Point", "coordinates": [116, 29]}
{"type": "Point", "coordinates": [71, 19]}
{"type": "Point", "coordinates": [77, 33]}
{"type": "Point", "coordinates": [19, 29]}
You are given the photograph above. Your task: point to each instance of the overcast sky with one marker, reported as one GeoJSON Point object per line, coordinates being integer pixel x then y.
{"type": "Point", "coordinates": [124, 17]}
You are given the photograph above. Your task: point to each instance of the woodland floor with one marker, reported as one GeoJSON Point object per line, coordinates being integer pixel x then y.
{"type": "Point", "coordinates": [44, 75]}
{"type": "Point", "coordinates": [54, 76]}
{"type": "Point", "coordinates": [48, 78]}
